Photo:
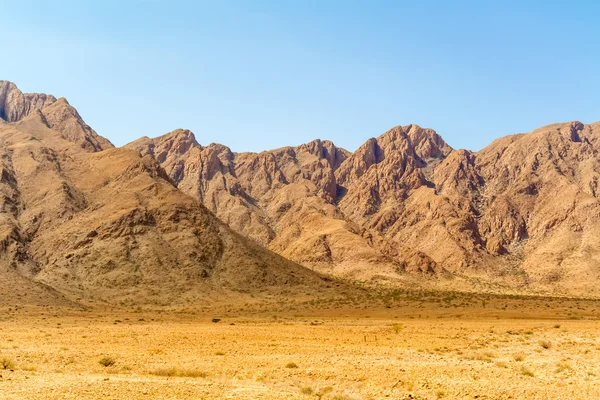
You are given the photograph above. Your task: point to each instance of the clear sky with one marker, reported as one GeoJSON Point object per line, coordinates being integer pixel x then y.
{"type": "Point", "coordinates": [258, 74]}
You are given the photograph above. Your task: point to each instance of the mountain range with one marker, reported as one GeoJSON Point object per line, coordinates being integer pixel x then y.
{"type": "Point", "coordinates": [169, 219]}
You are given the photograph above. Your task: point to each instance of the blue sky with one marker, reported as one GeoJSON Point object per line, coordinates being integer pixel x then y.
{"type": "Point", "coordinates": [258, 74]}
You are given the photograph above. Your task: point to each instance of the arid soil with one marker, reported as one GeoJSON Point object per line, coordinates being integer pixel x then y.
{"type": "Point", "coordinates": [419, 345]}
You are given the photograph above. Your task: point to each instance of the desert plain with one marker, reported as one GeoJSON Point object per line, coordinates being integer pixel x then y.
{"type": "Point", "coordinates": [396, 345]}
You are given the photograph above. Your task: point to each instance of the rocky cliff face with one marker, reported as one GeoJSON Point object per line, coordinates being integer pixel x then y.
{"type": "Point", "coordinates": [521, 212]}
{"type": "Point", "coordinates": [58, 115]}
{"type": "Point", "coordinates": [15, 105]}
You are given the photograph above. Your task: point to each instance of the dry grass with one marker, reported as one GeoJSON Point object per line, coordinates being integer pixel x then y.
{"type": "Point", "coordinates": [179, 372]}
{"type": "Point", "coordinates": [397, 327]}
{"type": "Point", "coordinates": [527, 371]}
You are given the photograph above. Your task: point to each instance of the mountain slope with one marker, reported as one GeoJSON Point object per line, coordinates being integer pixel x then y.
{"type": "Point", "coordinates": [522, 212]}
{"type": "Point", "coordinates": [58, 115]}
{"type": "Point", "coordinates": [284, 199]}
{"type": "Point", "coordinates": [110, 226]}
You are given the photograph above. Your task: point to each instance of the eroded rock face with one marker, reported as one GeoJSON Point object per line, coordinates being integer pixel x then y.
{"type": "Point", "coordinates": [523, 210]}
{"type": "Point", "coordinates": [58, 115]}
{"type": "Point", "coordinates": [384, 170]}
{"type": "Point", "coordinates": [15, 105]}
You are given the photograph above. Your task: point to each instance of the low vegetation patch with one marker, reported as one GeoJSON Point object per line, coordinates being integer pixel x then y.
{"type": "Point", "coordinates": [291, 365]}
{"type": "Point", "coordinates": [323, 391]}
{"type": "Point", "coordinates": [563, 366]}
{"type": "Point", "coordinates": [527, 371]}
{"type": "Point", "coordinates": [7, 363]}
{"type": "Point", "coordinates": [485, 356]}
{"type": "Point", "coordinates": [545, 344]}
{"type": "Point", "coordinates": [307, 390]}
{"type": "Point", "coordinates": [107, 362]}
{"type": "Point", "coordinates": [397, 327]}
{"type": "Point", "coordinates": [179, 372]}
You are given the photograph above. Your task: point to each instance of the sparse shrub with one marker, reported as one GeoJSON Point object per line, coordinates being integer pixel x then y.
{"type": "Point", "coordinates": [7, 363]}
{"type": "Point", "coordinates": [178, 372]}
{"type": "Point", "coordinates": [323, 391]}
{"type": "Point", "coordinates": [563, 366]}
{"type": "Point", "coordinates": [557, 326]}
{"type": "Point", "coordinates": [440, 393]}
{"type": "Point", "coordinates": [219, 353]}
{"type": "Point", "coordinates": [485, 356]}
{"type": "Point", "coordinates": [545, 344]}
{"type": "Point", "coordinates": [307, 390]}
{"type": "Point", "coordinates": [519, 356]}
{"type": "Point", "coordinates": [107, 362]}
{"type": "Point", "coordinates": [215, 320]}
{"type": "Point", "coordinates": [527, 371]}
{"type": "Point", "coordinates": [291, 365]}
{"type": "Point", "coordinates": [397, 327]}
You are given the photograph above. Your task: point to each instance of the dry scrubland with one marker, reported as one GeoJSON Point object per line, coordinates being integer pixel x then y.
{"type": "Point", "coordinates": [417, 345]}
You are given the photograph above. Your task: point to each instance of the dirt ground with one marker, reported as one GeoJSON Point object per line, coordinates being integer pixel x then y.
{"type": "Point", "coordinates": [424, 347]}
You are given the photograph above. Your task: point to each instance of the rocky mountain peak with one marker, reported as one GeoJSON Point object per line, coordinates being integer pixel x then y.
{"type": "Point", "coordinates": [57, 114]}
{"type": "Point", "coordinates": [325, 149]}
{"type": "Point", "coordinates": [16, 105]}
{"type": "Point", "coordinates": [425, 143]}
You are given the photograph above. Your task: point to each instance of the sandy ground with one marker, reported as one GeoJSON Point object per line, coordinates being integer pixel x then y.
{"type": "Point", "coordinates": [499, 349]}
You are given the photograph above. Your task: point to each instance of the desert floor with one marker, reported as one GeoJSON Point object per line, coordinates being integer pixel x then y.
{"type": "Point", "coordinates": [424, 347]}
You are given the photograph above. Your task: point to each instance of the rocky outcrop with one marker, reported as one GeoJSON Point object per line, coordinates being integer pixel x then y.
{"type": "Point", "coordinates": [15, 105]}
{"type": "Point", "coordinates": [58, 115]}
{"type": "Point", "coordinates": [383, 171]}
